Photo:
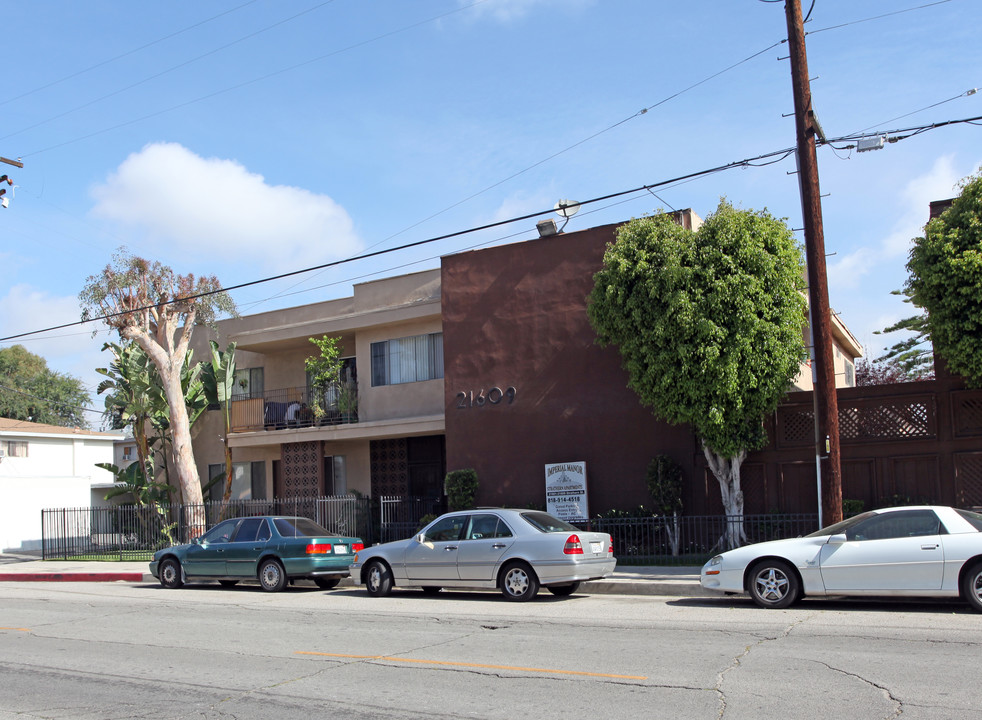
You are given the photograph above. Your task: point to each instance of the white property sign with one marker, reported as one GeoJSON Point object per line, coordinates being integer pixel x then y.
{"type": "Point", "coordinates": [566, 491]}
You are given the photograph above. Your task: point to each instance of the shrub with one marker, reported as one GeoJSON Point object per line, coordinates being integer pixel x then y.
{"type": "Point", "coordinates": [461, 489]}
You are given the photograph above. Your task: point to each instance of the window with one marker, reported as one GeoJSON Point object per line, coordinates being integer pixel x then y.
{"type": "Point", "coordinates": [14, 448]}
{"type": "Point", "coordinates": [483, 527]}
{"type": "Point", "coordinates": [128, 452]}
{"type": "Point", "coordinates": [850, 374]}
{"type": "Point", "coordinates": [252, 530]}
{"type": "Point", "coordinates": [248, 481]}
{"type": "Point", "coordinates": [446, 529]}
{"type": "Point", "coordinates": [902, 523]}
{"type": "Point", "coordinates": [248, 384]}
{"type": "Point", "coordinates": [408, 359]}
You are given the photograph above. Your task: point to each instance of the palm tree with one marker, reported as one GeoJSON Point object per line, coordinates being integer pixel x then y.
{"type": "Point", "coordinates": [218, 383]}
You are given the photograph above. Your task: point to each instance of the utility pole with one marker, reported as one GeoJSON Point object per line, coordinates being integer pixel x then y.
{"type": "Point", "coordinates": [806, 126]}
{"type": "Point", "coordinates": [7, 179]}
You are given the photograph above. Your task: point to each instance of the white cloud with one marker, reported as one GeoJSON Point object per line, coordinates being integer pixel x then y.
{"type": "Point", "coordinates": [938, 183]}
{"type": "Point", "coordinates": [70, 350]}
{"type": "Point", "coordinates": [509, 10]}
{"type": "Point", "coordinates": [217, 208]}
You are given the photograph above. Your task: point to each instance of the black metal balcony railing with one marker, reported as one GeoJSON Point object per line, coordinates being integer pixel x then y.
{"type": "Point", "coordinates": [295, 407]}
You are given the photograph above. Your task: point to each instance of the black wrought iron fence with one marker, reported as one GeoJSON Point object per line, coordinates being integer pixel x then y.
{"type": "Point", "coordinates": [691, 540]}
{"type": "Point", "coordinates": [135, 533]}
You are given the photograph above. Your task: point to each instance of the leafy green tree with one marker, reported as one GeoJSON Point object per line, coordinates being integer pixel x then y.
{"type": "Point", "coordinates": [945, 267]}
{"type": "Point", "coordinates": [913, 355]}
{"type": "Point", "coordinates": [30, 390]}
{"type": "Point", "coordinates": [147, 303]}
{"type": "Point", "coordinates": [708, 325]}
{"type": "Point", "coordinates": [218, 381]}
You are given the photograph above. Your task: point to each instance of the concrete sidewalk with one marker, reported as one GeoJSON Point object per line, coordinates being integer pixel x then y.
{"type": "Point", "coordinates": [626, 580]}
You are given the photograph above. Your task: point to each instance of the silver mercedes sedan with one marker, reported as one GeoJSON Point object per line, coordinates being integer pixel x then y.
{"type": "Point", "coordinates": [517, 551]}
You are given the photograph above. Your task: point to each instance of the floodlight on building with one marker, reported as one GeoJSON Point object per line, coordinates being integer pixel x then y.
{"type": "Point", "coordinates": [546, 227]}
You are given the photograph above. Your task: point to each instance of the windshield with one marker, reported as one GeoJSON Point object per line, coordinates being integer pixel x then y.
{"type": "Point", "coordinates": [299, 527]}
{"type": "Point", "coordinates": [544, 522]}
{"type": "Point", "coordinates": [841, 527]}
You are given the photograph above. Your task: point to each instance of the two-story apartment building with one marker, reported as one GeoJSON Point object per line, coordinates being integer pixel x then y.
{"type": "Point", "coordinates": [487, 363]}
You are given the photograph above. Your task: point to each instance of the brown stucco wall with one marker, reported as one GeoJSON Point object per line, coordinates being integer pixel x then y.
{"type": "Point", "coordinates": [515, 316]}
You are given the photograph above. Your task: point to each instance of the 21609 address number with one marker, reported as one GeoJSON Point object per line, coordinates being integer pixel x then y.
{"type": "Point", "coordinates": [494, 396]}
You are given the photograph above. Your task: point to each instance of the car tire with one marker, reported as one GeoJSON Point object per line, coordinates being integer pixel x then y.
{"type": "Point", "coordinates": [228, 583]}
{"type": "Point", "coordinates": [326, 583]}
{"type": "Point", "coordinates": [171, 575]}
{"type": "Point", "coordinates": [272, 577]}
{"type": "Point", "coordinates": [519, 582]}
{"type": "Point", "coordinates": [774, 584]}
{"type": "Point", "coordinates": [378, 579]}
{"type": "Point", "coordinates": [563, 590]}
{"type": "Point", "coordinates": [430, 589]}
{"type": "Point", "coordinates": [972, 586]}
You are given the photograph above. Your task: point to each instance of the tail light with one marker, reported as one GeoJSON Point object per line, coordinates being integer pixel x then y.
{"type": "Point", "coordinates": [357, 547]}
{"type": "Point", "coordinates": [318, 548]}
{"type": "Point", "coordinates": [610, 544]}
{"type": "Point", "coordinates": [573, 546]}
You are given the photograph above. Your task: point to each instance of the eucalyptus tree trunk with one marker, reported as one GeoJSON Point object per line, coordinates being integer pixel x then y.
{"type": "Point", "coordinates": [727, 472]}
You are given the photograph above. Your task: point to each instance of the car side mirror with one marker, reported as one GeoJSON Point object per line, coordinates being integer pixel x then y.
{"type": "Point", "coordinates": [420, 538]}
{"type": "Point", "coordinates": [195, 541]}
{"type": "Point", "coordinates": [837, 539]}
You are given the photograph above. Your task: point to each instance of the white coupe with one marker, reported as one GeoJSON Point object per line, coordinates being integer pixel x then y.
{"type": "Point", "coordinates": [925, 551]}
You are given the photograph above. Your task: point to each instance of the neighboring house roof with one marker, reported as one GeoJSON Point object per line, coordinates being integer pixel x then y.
{"type": "Point", "coordinates": [10, 427]}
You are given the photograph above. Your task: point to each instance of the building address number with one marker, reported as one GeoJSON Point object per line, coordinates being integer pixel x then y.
{"type": "Point", "coordinates": [494, 396]}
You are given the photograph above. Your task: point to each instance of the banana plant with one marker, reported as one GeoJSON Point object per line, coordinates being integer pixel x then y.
{"type": "Point", "coordinates": [218, 382]}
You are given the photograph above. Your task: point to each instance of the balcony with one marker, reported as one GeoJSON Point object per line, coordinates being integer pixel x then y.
{"type": "Point", "coordinates": [295, 407]}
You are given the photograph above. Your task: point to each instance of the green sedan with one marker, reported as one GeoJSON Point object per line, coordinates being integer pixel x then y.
{"type": "Point", "coordinates": [274, 550]}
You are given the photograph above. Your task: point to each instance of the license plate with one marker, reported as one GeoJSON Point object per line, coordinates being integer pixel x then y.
{"type": "Point", "coordinates": [340, 549]}
{"type": "Point", "coordinates": [597, 547]}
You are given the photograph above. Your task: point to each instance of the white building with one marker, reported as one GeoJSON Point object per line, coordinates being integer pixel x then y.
{"type": "Point", "coordinates": [47, 466]}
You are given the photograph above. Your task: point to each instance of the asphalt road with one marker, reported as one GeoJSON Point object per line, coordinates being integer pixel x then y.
{"type": "Point", "coordinates": [124, 650]}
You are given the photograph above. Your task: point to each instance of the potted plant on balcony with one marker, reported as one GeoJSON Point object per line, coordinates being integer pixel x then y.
{"type": "Point", "coordinates": [348, 401]}
{"type": "Point", "coordinates": [323, 370]}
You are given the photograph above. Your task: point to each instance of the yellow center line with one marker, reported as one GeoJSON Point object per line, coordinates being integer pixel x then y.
{"type": "Point", "coordinates": [17, 629]}
{"type": "Point", "coordinates": [473, 665]}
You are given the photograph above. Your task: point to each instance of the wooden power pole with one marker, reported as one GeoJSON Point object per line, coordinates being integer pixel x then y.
{"type": "Point", "coordinates": [806, 125]}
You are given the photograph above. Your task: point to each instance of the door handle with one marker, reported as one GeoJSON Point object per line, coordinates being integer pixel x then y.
{"type": "Point", "coordinates": [448, 548]}
{"type": "Point", "coordinates": [498, 546]}
{"type": "Point", "coordinates": [929, 547]}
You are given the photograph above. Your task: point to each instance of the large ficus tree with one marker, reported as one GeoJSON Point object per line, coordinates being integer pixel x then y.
{"type": "Point", "coordinates": [152, 306]}
{"type": "Point", "coordinates": [945, 280]}
{"type": "Point", "coordinates": [709, 327]}
{"type": "Point", "coordinates": [30, 390]}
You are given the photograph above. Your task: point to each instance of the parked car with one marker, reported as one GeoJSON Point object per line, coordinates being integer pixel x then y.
{"type": "Point", "coordinates": [274, 550]}
{"type": "Point", "coordinates": [926, 551]}
{"type": "Point", "coordinates": [518, 551]}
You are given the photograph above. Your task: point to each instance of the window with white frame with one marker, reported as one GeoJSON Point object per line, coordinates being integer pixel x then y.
{"type": "Point", "coordinates": [408, 359]}
{"type": "Point", "coordinates": [14, 448]}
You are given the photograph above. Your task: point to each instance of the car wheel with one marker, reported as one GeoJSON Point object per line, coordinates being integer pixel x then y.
{"type": "Point", "coordinates": [170, 573]}
{"type": "Point", "coordinates": [518, 582]}
{"type": "Point", "coordinates": [972, 586]}
{"type": "Point", "coordinates": [431, 590]}
{"type": "Point", "coordinates": [228, 583]}
{"type": "Point", "coordinates": [378, 579]}
{"type": "Point", "coordinates": [272, 577]}
{"type": "Point", "coordinates": [326, 583]}
{"type": "Point", "coordinates": [773, 584]}
{"type": "Point", "coordinates": [564, 590]}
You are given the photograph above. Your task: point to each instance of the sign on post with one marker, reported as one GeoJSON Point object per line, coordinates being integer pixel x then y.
{"type": "Point", "coordinates": [566, 491]}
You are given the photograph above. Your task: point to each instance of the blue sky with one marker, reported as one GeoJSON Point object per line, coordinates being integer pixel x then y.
{"type": "Point", "coordinates": [249, 138]}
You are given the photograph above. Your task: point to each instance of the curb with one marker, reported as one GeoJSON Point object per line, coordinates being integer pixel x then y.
{"type": "Point", "coordinates": [75, 577]}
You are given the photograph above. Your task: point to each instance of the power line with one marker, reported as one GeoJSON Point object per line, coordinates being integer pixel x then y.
{"type": "Point", "coordinates": [747, 162]}
{"type": "Point", "coordinates": [108, 61]}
